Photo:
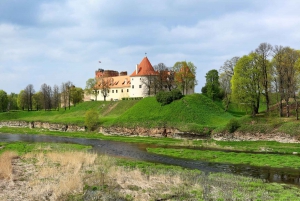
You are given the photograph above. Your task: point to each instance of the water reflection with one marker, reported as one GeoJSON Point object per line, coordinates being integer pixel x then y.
{"type": "Point", "coordinates": [138, 151]}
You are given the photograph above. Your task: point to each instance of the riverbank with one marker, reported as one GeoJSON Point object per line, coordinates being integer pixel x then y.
{"type": "Point", "coordinates": [75, 175]}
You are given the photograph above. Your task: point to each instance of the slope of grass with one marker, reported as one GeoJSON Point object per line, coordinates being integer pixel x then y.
{"type": "Point", "coordinates": [107, 111]}
{"type": "Point", "coordinates": [190, 111]}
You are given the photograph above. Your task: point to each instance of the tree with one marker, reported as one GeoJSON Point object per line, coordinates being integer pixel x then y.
{"type": "Point", "coordinates": [225, 80]}
{"type": "Point", "coordinates": [12, 102]}
{"type": "Point", "coordinates": [21, 101]}
{"type": "Point", "coordinates": [66, 94]}
{"type": "Point", "coordinates": [245, 83]}
{"type": "Point", "coordinates": [29, 91]}
{"type": "Point", "coordinates": [225, 86]}
{"type": "Point", "coordinates": [150, 81]}
{"type": "Point", "coordinates": [212, 85]}
{"type": "Point", "coordinates": [76, 95]}
{"type": "Point", "coordinates": [91, 87]}
{"type": "Point", "coordinates": [91, 119]}
{"type": "Point", "coordinates": [164, 78]}
{"type": "Point", "coordinates": [38, 100]}
{"type": "Point", "coordinates": [104, 86]}
{"type": "Point", "coordinates": [56, 97]}
{"type": "Point", "coordinates": [262, 53]}
{"type": "Point", "coordinates": [3, 101]}
{"type": "Point", "coordinates": [46, 96]}
{"type": "Point", "coordinates": [228, 66]}
{"type": "Point", "coordinates": [185, 75]}
{"type": "Point", "coordinates": [286, 68]}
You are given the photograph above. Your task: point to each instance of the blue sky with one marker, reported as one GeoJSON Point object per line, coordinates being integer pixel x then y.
{"type": "Point", "coordinates": [62, 40]}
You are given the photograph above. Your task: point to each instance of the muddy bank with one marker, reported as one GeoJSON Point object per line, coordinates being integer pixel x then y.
{"type": "Point", "coordinates": [151, 132]}
{"type": "Point", "coordinates": [45, 125]}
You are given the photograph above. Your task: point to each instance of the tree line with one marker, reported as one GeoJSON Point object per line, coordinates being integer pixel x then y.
{"type": "Point", "coordinates": [47, 98]}
{"type": "Point", "coordinates": [268, 72]}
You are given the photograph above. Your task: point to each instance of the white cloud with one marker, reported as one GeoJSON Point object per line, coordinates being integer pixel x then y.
{"type": "Point", "coordinates": [64, 40]}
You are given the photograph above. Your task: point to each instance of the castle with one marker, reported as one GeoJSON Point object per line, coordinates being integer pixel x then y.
{"type": "Point", "coordinates": [138, 84]}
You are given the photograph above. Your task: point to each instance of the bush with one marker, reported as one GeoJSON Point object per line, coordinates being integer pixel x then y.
{"type": "Point", "coordinates": [91, 120]}
{"type": "Point", "coordinates": [176, 94]}
{"type": "Point", "coordinates": [167, 97]}
{"type": "Point", "coordinates": [232, 125]}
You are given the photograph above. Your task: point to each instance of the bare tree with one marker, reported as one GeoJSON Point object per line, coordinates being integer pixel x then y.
{"type": "Point", "coordinates": [278, 65]}
{"type": "Point", "coordinates": [263, 52]}
{"type": "Point", "coordinates": [226, 73]}
{"type": "Point", "coordinates": [103, 85]}
{"type": "Point", "coordinates": [29, 91]}
{"type": "Point", "coordinates": [47, 96]}
{"type": "Point", "coordinates": [284, 62]}
{"type": "Point", "coordinates": [228, 66]}
{"type": "Point", "coordinates": [56, 97]}
{"type": "Point", "coordinates": [65, 92]}
{"type": "Point", "coordinates": [164, 78]}
{"type": "Point", "coordinates": [225, 85]}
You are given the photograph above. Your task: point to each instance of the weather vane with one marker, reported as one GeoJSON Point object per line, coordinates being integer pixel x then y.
{"type": "Point", "coordinates": [145, 54]}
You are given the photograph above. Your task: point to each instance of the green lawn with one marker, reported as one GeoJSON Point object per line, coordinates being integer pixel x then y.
{"type": "Point", "coordinates": [271, 160]}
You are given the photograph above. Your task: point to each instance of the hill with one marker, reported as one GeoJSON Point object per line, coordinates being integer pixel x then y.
{"type": "Point", "coordinates": [107, 112]}
{"type": "Point", "coordinates": [189, 113]}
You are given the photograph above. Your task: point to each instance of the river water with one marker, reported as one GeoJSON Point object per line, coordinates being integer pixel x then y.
{"type": "Point", "coordinates": [138, 151]}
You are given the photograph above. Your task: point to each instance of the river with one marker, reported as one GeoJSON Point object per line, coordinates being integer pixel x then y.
{"type": "Point", "coordinates": [138, 151]}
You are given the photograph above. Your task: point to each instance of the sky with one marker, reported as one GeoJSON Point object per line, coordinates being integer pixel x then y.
{"type": "Point", "coordinates": [56, 41]}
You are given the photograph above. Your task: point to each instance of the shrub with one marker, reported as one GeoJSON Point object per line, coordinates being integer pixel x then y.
{"type": "Point", "coordinates": [176, 94]}
{"type": "Point", "coordinates": [91, 120]}
{"type": "Point", "coordinates": [167, 97]}
{"type": "Point", "coordinates": [232, 125]}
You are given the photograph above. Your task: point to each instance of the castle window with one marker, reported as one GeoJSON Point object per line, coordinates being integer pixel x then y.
{"type": "Point", "coordinates": [121, 90]}
{"type": "Point", "coordinates": [127, 90]}
{"type": "Point", "coordinates": [116, 91]}
{"type": "Point", "coordinates": [140, 86]}
{"type": "Point", "coordinates": [112, 91]}
{"type": "Point", "coordinates": [133, 86]}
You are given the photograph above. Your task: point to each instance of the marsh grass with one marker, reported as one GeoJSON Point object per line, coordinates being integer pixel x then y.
{"type": "Point", "coordinates": [6, 164]}
{"type": "Point", "coordinates": [79, 175]}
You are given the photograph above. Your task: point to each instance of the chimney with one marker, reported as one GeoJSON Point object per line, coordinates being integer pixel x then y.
{"type": "Point", "coordinates": [136, 69]}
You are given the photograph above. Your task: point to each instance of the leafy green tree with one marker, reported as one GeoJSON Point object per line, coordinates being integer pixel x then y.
{"type": "Point", "coordinates": [77, 95]}
{"type": "Point", "coordinates": [91, 87]}
{"type": "Point", "coordinates": [91, 120]}
{"type": "Point", "coordinates": [22, 103]}
{"type": "Point", "coordinates": [3, 101]}
{"type": "Point", "coordinates": [37, 99]}
{"type": "Point", "coordinates": [245, 83]}
{"type": "Point", "coordinates": [212, 85]}
{"type": "Point", "coordinates": [12, 102]}
{"type": "Point", "coordinates": [185, 75]}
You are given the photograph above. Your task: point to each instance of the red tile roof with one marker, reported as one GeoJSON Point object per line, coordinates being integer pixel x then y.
{"type": "Point", "coordinates": [118, 81]}
{"type": "Point", "coordinates": [144, 68]}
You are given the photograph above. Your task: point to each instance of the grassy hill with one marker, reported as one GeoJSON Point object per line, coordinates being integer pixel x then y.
{"type": "Point", "coordinates": [107, 112]}
{"type": "Point", "coordinates": [191, 113]}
